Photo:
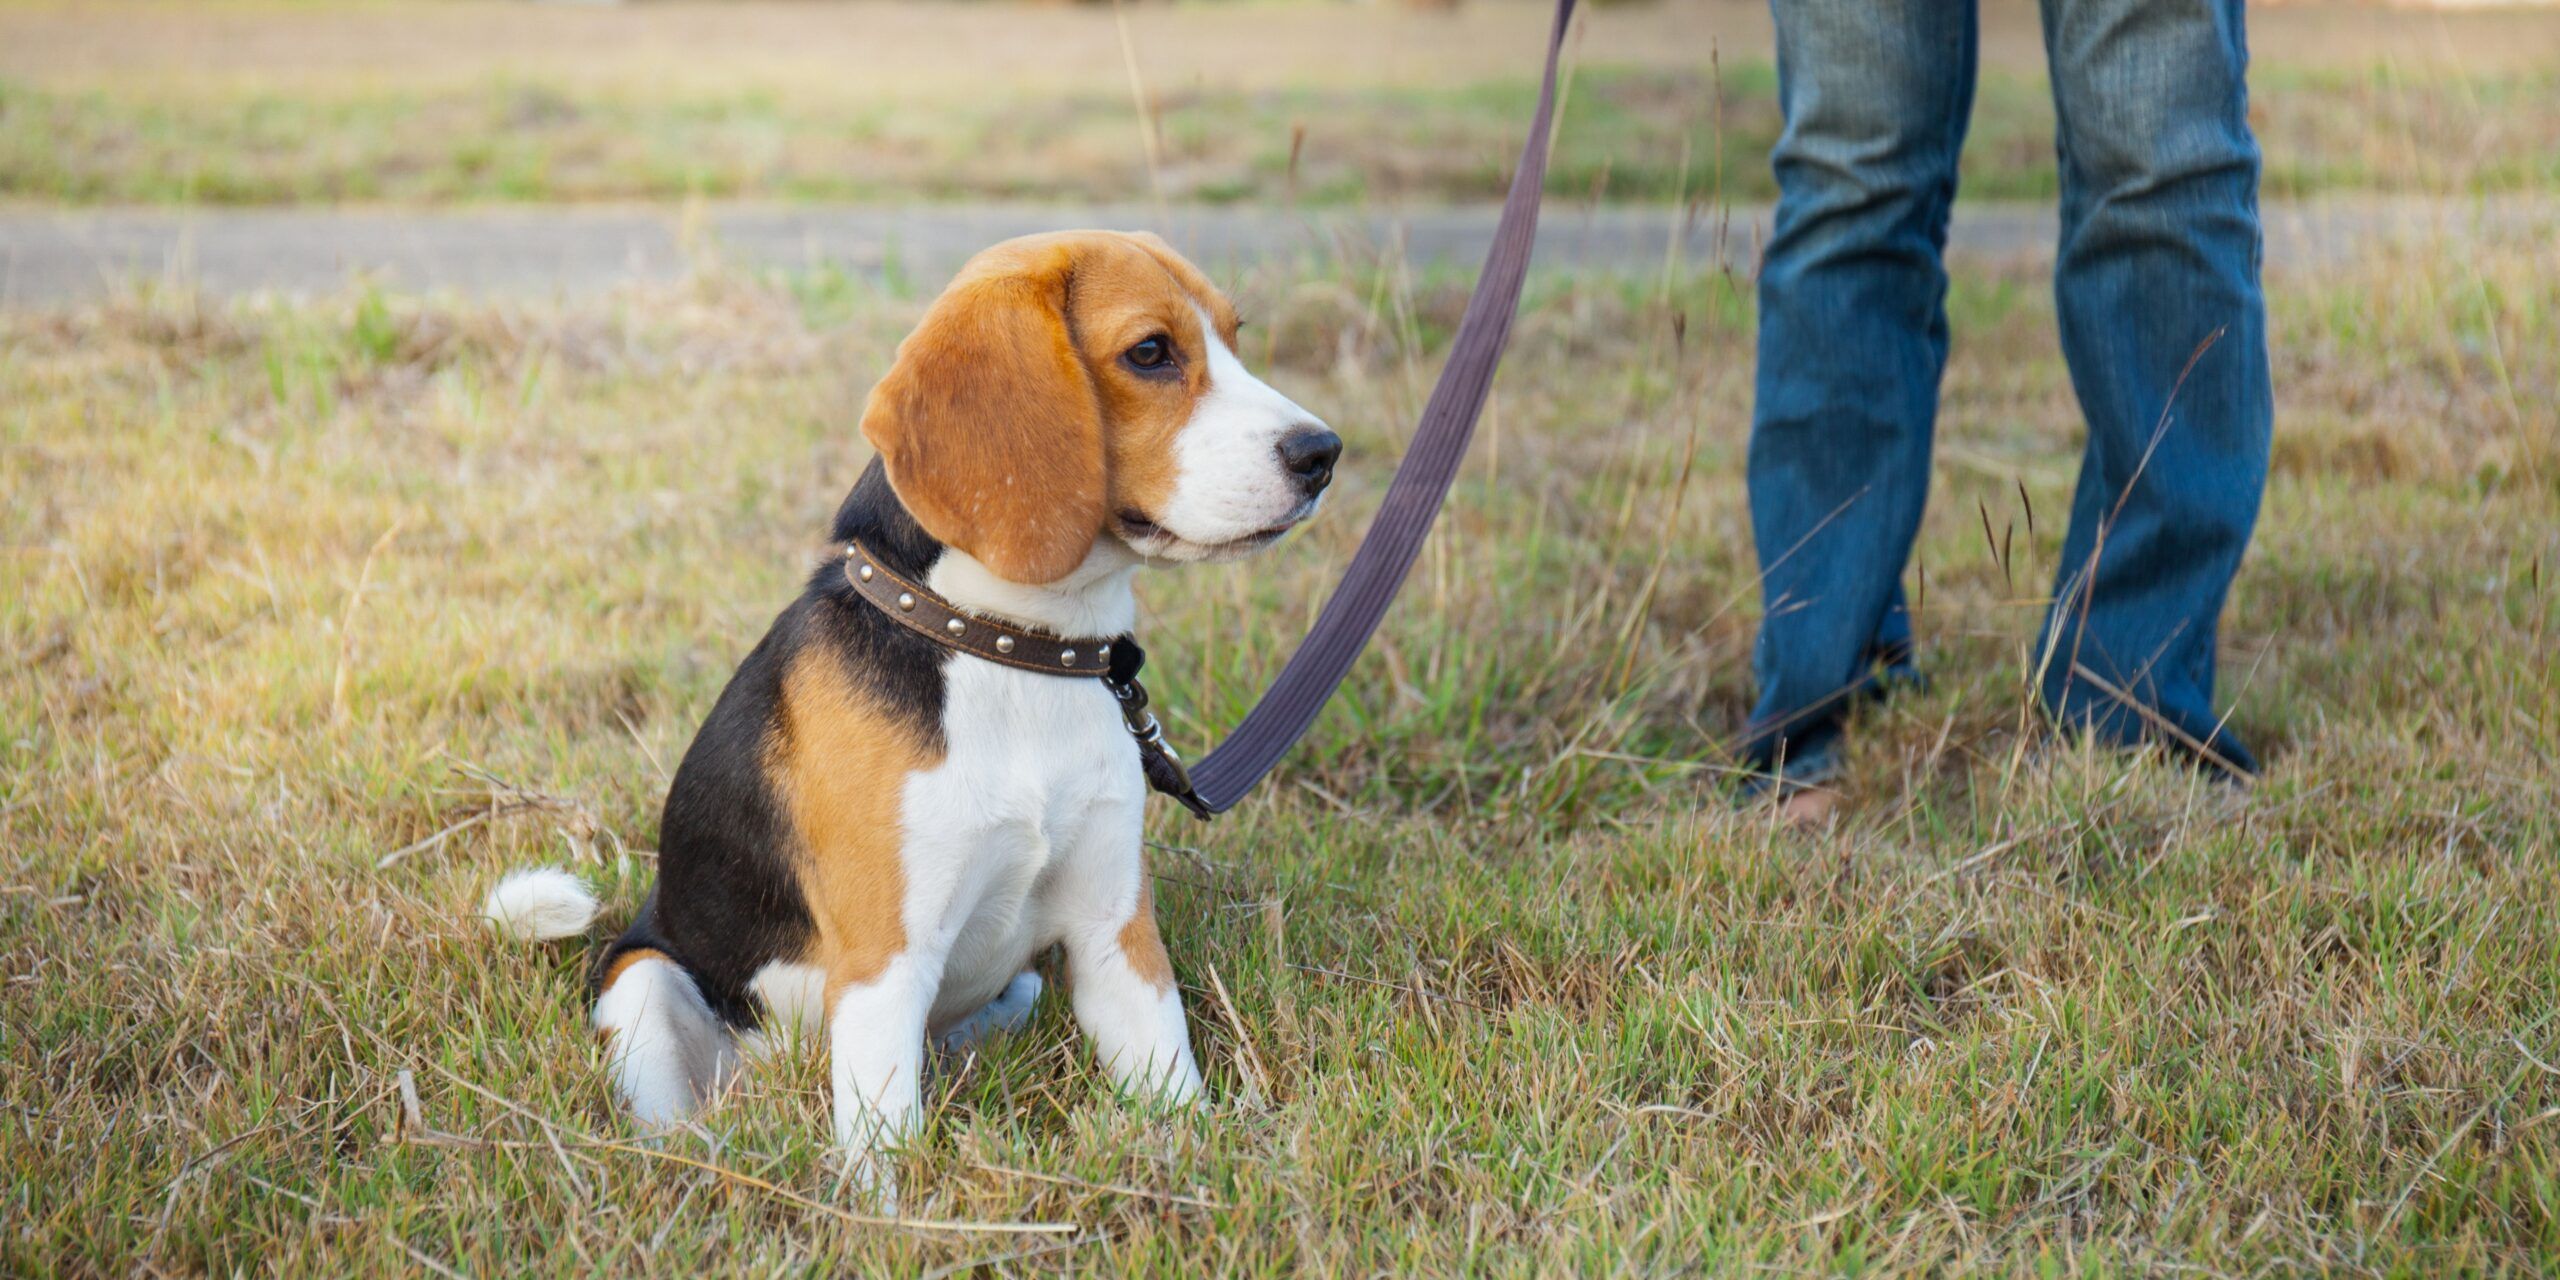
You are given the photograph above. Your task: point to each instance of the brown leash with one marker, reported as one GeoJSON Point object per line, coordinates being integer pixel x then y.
{"type": "Point", "coordinates": [1377, 569]}
{"type": "Point", "coordinates": [1422, 480]}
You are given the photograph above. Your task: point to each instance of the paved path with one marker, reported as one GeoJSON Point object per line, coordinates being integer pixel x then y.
{"type": "Point", "coordinates": [51, 257]}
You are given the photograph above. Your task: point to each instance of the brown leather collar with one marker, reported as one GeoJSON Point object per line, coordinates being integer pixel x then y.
{"type": "Point", "coordinates": [1116, 661]}
{"type": "Point", "coordinates": [911, 605]}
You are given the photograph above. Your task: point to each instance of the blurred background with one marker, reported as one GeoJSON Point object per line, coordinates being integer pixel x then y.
{"type": "Point", "coordinates": [1257, 107]}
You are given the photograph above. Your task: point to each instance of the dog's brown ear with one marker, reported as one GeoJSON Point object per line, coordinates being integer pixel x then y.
{"type": "Point", "coordinates": [989, 423]}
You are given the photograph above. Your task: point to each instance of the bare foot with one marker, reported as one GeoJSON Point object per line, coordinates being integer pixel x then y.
{"type": "Point", "coordinates": [1808, 808]}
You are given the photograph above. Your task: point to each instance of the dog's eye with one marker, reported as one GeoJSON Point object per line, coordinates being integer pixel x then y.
{"type": "Point", "coordinates": [1154, 353]}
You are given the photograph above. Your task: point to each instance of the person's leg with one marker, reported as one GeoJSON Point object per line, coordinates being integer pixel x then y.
{"type": "Point", "coordinates": [2156, 285]}
{"type": "Point", "coordinates": [1853, 337]}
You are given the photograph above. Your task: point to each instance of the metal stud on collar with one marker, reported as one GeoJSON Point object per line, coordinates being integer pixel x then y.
{"type": "Point", "coordinates": [919, 609]}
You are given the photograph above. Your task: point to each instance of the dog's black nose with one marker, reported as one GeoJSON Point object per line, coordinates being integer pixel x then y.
{"type": "Point", "coordinates": [1309, 454]}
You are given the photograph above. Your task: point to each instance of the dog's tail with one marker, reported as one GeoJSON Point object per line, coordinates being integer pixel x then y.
{"type": "Point", "coordinates": [539, 905]}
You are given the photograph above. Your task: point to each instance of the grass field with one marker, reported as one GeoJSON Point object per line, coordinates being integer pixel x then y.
{"type": "Point", "coordinates": [320, 615]}
{"type": "Point", "coordinates": [260, 102]}
{"type": "Point", "coordinates": [316, 615]}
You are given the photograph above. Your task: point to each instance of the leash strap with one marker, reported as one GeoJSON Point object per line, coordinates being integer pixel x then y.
{"type": "Point", "coordinates": [1413, 498]}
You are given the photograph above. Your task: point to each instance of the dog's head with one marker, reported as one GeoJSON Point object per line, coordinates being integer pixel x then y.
{"type": "Point", "coordinates": [1084, 385]}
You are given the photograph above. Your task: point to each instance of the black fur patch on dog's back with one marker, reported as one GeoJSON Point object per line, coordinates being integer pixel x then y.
{"type": "Point", "coordinates": [728, 901]}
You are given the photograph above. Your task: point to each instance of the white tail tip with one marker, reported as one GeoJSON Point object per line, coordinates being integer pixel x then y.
{"type": "Point", "coordinates": [539, 905]}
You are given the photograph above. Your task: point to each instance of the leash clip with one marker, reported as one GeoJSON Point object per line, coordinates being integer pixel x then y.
{"type": "Point", "coordinates": [1163, 765]}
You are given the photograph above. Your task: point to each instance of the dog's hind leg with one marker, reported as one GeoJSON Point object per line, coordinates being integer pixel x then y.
{"type": "Point", "coordinates": [668, 1050]}
{"type": "Point", "coordinates": [1003, 1015]}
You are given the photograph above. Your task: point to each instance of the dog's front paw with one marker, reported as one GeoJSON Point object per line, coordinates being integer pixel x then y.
{"type": "Point", "coordinates": [1168, 1086]}
{"type": "Point", "coordinates": [871, 1182]}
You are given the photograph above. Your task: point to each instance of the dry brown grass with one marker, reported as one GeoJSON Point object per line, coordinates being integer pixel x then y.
{"type": "Point", "coordinates": [1516, 991]}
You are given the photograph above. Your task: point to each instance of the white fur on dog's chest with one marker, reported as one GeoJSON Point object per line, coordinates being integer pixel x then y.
{"type": "Point", "coordinates": [1030, 822]}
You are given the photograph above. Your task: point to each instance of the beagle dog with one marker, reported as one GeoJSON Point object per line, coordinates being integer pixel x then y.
{"type": "Point", "coordinates": [874, 835]}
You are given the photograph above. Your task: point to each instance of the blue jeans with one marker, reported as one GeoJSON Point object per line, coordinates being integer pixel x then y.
{"type": "Point", "coordinates": [2157, 266]}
